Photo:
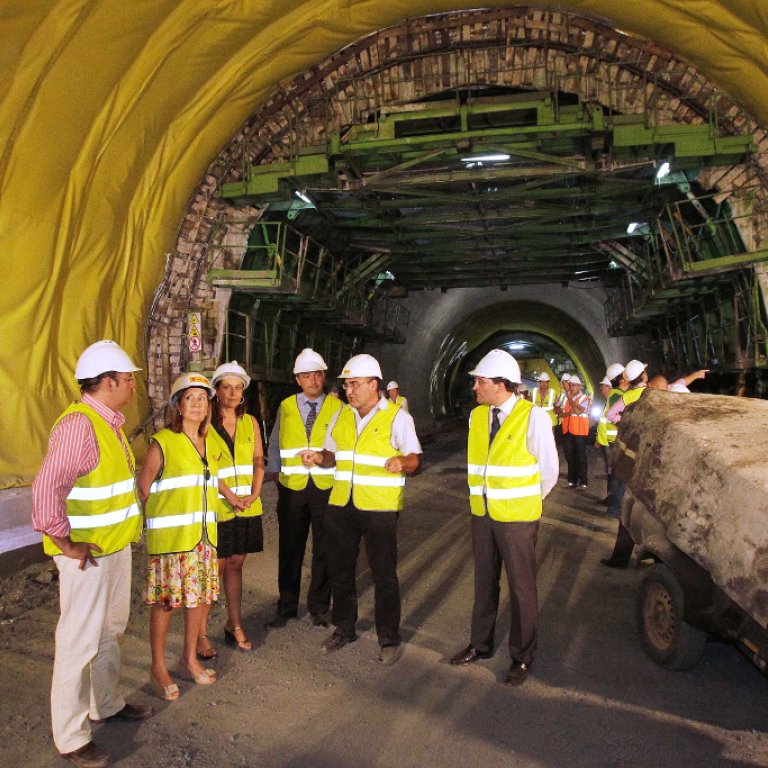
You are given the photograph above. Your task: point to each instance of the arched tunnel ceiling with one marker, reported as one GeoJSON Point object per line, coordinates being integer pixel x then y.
{"type": "Point", "coordinates": [110, 113]}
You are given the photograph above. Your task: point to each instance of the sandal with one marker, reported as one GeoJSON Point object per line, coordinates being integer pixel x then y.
{"type": "Point", "coordinates": [244, 645]}
{"type": "Point", "coordinates": [206, 677]}
{"type": "Point", "coordinates": [206, 654]}
{"type": "Point", "coordinates": [167, 692]}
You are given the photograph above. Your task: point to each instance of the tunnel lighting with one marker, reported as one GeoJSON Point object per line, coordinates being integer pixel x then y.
{"type": "Point", "coordinates": [612, 264]}
{"type": "Point", "coordinates": [632, 227]}
{"type": "Point", "coordinates": [517, 345]}
{"type": "Point", "coordinates": [304, 197]}
{"type": "Point", "coordinates": [596, 412]}
{"type": "Point", "coordinates": [663, 171]}
{"type": "Point", "coordinates": [495, 157]}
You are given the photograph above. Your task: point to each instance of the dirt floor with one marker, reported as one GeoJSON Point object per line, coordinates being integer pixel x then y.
{"type": "Point", "coordinates": [593, 700]}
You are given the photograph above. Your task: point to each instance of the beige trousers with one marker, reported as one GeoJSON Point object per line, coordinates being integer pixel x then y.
{"type": "Point", "coordinates": [94, 606]}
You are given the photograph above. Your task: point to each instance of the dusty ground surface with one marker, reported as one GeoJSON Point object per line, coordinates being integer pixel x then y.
{"type": "Point", "coordinates": [594, 699]}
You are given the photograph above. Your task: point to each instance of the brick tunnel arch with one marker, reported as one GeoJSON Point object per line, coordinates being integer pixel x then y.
{"type": "Point", "coordinates": [521, 48]}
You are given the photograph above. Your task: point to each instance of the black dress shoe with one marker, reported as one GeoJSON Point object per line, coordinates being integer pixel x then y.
{"type": "Point", "coordinates": [278, 622]}
{"type": "Point", "coordinates": [130, 713]}
{"type": "Point", "coordinates": [317, 620]}
{"type": "Point", "coordinates": [614, 562]}
{"type": "Point", "coordinates": [518, 673]}
{"type": "Point", "coordinates": [468, 655]}
{"type": "Point", "coordinates": [336, 642]}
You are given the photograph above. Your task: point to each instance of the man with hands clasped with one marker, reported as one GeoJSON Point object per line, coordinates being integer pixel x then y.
{"type": "Point", "coordinates": [372, 443]}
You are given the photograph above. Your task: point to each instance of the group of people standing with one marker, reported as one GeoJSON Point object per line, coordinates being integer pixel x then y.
{"type": "Point", "coordinates": [340, 472]}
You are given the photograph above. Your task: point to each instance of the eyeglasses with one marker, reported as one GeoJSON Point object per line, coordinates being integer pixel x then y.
{"type": "Point", "coordinates": [129, 377]}
{"type": "Point", "coordinates": [355, 384]}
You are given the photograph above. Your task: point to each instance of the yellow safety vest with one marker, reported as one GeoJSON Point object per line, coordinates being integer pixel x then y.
{"type": "Point", "coordinates": [360, 462]}
{"type": "Point", "coordinates": [506, 478]}
{"type": "Point", "coordinates": [237, 471]}
{"type": "Point", "coordinates": [102, 506]}
{"type": "Point", "coordinates": [293, 439]}
{"type": "Point", "coordinates": [182, 504]}
{"type": "Point", "coordinates": [402, 401]}
{"type": "Point", "coordinates": [606, 431]}
{"type": "Point", "coordinates": [632, 395]}
{"type": "Point", "coordinates": [550, 405]}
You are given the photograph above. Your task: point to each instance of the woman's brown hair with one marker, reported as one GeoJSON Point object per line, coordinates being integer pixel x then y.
{"type": "Point", "coordinates": [176, 421]}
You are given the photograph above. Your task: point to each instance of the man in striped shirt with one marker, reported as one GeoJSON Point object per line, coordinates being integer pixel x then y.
{"type": "Point", "coordinates": [85, 505]}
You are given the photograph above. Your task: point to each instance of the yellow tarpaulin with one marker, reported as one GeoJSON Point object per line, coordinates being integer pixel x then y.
{"type": "Point", "coordinates": [111, 111]}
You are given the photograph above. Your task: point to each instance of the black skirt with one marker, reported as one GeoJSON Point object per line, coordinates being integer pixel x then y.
{"type": "Point", "coordinates": [240, 536]}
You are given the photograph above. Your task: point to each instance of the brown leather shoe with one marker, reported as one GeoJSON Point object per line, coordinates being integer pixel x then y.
{"type": "Point", "coordinates": [88, 756]}
{"type": "Point", "coordinates": [518, 673]}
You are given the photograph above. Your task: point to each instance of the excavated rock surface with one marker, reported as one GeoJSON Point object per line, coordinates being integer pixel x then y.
{"type": "Point", "coordinates": [698, 463]}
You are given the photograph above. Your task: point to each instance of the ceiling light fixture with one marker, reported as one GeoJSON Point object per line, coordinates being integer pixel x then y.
{"type": "Point", "coordinates": [304, 197]}
{"type": "Point", "coordinates": [663, 171]}
{"type": "Point", "coordinates": [495, 157]}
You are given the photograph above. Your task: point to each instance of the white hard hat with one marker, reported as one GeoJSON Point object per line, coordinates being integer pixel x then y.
{"type": "Point", "coordinates": [187, 381]}
{"type": "Point", "coordinates": [543, 376]}
{"type": "Point", "coordinates": [606, 382]}
{"type": "Point", "coordinates": [633, 369]}
{"type": "Point", "coordinates": [574, 380]}
{"type": "Point", "coordinates": [392, 385]}
{"type": "Point", "coordinates": [308, 361]}
{"type": "Point", "coordinates": [614, 370]}
{"type": "Point", "coordinates": [101, 357]}
{"type": "Point", "coordinates": [361, 366]}
{"type": "Point", "coordinates": [498, 364]}
{"type": "Point", "coordinates": [231, 369]}
{"type": "Point", "coordinates": [566, 377]}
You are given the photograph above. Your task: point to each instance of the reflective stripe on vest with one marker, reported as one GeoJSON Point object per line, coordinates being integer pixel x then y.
{"type": "Point", "coordinates": [182, 505]}
{"type": "Point", "coordinates": [606, 430]}
{"type": "Point", "coordinates": [237, 471]}
{"type": "Point", "coordinates": [102, 506]}
{"type": "Point", "coordinates": [505, 478]}
{"type": "Point", "coordinates": [576, 423]}
{"type": "Point", "coordinates": [549, 407]}
{"type": "Point", "coordinates": [293, 440]}
{"type": "Point", "coordinates": [360, 462]}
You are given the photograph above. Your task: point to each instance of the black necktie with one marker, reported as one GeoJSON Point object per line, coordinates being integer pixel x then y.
{"type": "Point", "coordinates": [311, 418]}
{"type": "Point", "coordinates": [495, 425]}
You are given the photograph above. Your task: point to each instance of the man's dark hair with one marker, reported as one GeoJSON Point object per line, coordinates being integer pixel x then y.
{"type": "Point", "coordinates": [616, 381]}
{"type": "Point", "coordinates": [92, 384]}
{"type": "Point", "coordinates": [508, 385]}
{"type": "Point", "coordinates": [636, 381]}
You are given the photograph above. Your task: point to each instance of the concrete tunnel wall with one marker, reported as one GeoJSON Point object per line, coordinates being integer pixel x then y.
{"type": "Point", "coordinates": [442, 321]}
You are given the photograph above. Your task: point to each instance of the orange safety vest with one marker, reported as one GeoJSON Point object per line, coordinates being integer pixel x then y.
{"type": "Point", "coordinates": [576, 423]}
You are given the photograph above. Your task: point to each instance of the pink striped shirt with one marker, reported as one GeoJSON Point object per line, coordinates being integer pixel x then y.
{"type": "Point", "coordinates": [72, 452]}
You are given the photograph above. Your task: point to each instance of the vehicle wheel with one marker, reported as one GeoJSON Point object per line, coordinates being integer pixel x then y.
{"type": "Point", "coordinates": [665, 636]}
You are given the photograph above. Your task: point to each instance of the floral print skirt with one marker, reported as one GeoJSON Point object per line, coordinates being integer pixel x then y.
{"type": "Point", "coordinates": [183, 579]}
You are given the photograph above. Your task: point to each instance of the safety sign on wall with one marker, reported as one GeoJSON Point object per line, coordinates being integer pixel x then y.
{"type": "Point", "coordinates": [194, 332]}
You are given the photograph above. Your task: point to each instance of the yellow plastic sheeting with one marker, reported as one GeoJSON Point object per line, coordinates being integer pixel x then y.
{"type": "Point", "coordinates": [111, 111]}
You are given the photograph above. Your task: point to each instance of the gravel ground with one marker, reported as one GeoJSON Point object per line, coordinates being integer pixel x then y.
{"type": "Point", "coordinates": [593, 701]}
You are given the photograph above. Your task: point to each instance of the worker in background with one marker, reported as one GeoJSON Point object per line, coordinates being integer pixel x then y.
{"type": "Point", "coordinates": [637, 378]}
{"type": "Point", "coordinates": [612, 387]}
{"type": "Point", "coordinates": [372, 443]}
{"type": "Point", "coordinates": [512, 466]}
{"type": "Point", "coordinates": [302, 423]}
{"type": "Point", "coordinates": [84, 502]}
{"type": "Point", "coordinates": [393, 391]}
{"type": "Point", "coordinates": [575, 422]}
{"type": "Point", "coordinates": [544, 397]}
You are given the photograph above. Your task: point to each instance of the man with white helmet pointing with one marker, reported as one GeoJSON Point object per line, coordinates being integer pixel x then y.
{"type": "Point", "coordinates": [512, 465]}
{"type": "Point", "coordinates": [302, 423]}
{"type": "Point", "coordinates": [84, 502]}
{"type": "Point", "coordinates": [373, 444]}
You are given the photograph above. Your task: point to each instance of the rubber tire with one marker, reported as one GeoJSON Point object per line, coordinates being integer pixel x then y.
{"type": "Point", "coordinates": [665, 636]}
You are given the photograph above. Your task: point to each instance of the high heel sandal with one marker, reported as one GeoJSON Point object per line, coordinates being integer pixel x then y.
{"type": "Point", "coordinates": [206, 677]}
{"type": "Point", "coordinates": [209, 653]}
{"type": "Point", "coordinates": [241, 645]}
{"type": "Point", "coordinates": [167, 692]}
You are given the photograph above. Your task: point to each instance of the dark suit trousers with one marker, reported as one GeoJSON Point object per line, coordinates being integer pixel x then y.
{"type": "Point", "coordinates": [345, 527]}
{"type": "Point", "coordinates": [297, 512]}
{"type": "Point", "coordinates": [575, 449]}
{"type": "Point", "coordinates": [512, 544]}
